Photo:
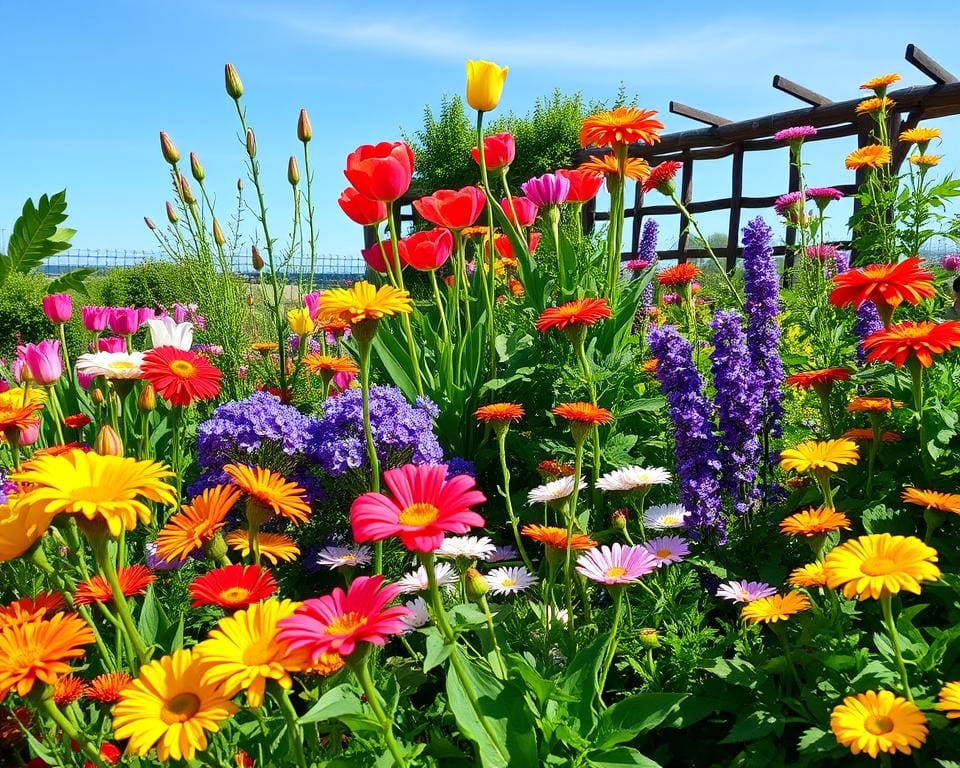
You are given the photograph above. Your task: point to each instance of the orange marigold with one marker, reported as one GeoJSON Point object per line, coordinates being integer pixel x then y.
{"type": "Point", "coordinates": [503, 412]}
{"type": "Point", "coordinates": [925, 160]}
{"type": "Point", "coordinates": [920, 135]}
{"type": "Point", "coordinates": [40, 649]}
{"type": "Point", "coordinates": [870, 156]}
{"type": "Point", "coordinates": [881, 82]}
{"type": "Point", "coordinates": [583, 413]}
{"type": "Point", "coordinates": [557, 537]}
{"type": "Point", "coordinates": [678, 274]}
{"type": "Point", "coordinates": [329, 365]}
{"type": "Point", "coordinates": [580, 312]}
{"type": "Point", "coordinates": [819, 380]}
{"type": "Point", "coordinates": [623, 125]}
{"type": "Point", "coordinates": [106, 688]}
{"type": "Point", "coordinates": [875, 104]}
{"type": "Point", "coordinates": [908, 341]}
{"type": "Point", "coordinates": [865, 434]}
{"type": "Point", "coordinates": [815, 521]}
{"type": "Point", "coordinates": [944, 502]}
{"type": "Point", "coordinates": [134, 580]}
{"type": "Point", "coordinates": [870, 405]}
{"type": "Point", "coordinates": [635, 168]}
{"type": "Point", "coordinates": [67, 690]}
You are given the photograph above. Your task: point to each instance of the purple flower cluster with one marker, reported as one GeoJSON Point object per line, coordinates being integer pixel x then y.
{"type": "Point", "coordinates": [401, 432]}
{"type": "Point", "coordinates": [738, 410]}
{"type": "Point", "coordinates": [647, 252]}
{"type": "Point", "coordinates": [762, 290]}
{"type": "Point", "coordinates": [697, 462]}
{"type": "Point", "coordinates": [6, 486]}
{"type": "Point", "coordinates": [867, 323]}
{"type": "Point", "coordinates": [951, 262]}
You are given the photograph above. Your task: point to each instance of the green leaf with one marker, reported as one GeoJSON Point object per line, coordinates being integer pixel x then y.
{"type": "Point", "coordinates": [753, 726]}
{"type": "Point", "coordinates": [71, 281]}
{"type": "Point", "coordinates": [148, 624]}
{"type": "Point", "coordinates": [333, 705]}
{"type": "Point", "coordinates": [619, 757]}
{"type": "Point", "coordinates": [392, 352]}
{"type": "Point", "coordinates": [36, 235]}
{"type": "Point", "coordinates": [634, 715]}
{"type": "Point", "coordinates": [816, 740]}
{"type": "Point", "coordinates": [437, 651]}
{"type": "Point", "coordinates": [580, 683]}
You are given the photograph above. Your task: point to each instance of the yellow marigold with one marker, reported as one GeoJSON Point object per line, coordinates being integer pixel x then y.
{"type": "Point", "coordinates": [875, 104]}
{"type": "Point", "coordinates": [878, 565]}
{"type": "Point", "coordinates": [810, 575]}
{"type": "Point", "coordinates": [875, 722]}
{"type": "Point", "coordinates": [881, 82]}
{"type": "Point", "coordinates": [363, 301]}
{"type": "Point", "coordinates": [949, 700]}
{"type": "Point", "coordinates": [944, 502]}
{"type": "Point", "coordinates": [925, 160]}
{"type": "Point", "coordinates": [814, 522]}
{"type": "Point", "coordinates": [768, 610]}
{"type": "Point", "coordinates": [819, 456]}
{"type": "Point", "coordinates": [919, 135]}
{"type": "Point", "coordinates": [21, 525]}
{"type": "Point", "coordinates": [871, 156]}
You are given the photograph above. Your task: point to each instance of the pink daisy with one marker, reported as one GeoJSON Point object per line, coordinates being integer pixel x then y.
{"type": "Point", "coordinates": [616, 564]}
{"type": "Point", "coordinates": [824, 195]}
{"type": "Point", "coordinates": [789, 205]}
{"type": "Point", "coordinates": [797, 133]}
{"type": "Point", "coordinates": [745, 591]}
{"type": "Point", "coordinates": [667, 549]}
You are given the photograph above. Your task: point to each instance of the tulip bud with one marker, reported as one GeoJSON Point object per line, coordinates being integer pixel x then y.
{"type": "Point", "coordinates": [476, 585]}
{"type": "Point", "coordinates": [649, 637]}
{"type": "Point", "coordinates": [304, 129]}
{"type": "Point", "coordinates": [186, 194]}
{"type": "Point", "coordinates": [147, 400]}
{"type": "Point", "coordinates": [232, 79]}
{"type": "Point", "coordinates": [255, 258]}
{"type": "Point", "coordinates": [108, 442]}
{"type": "Point", "coordinates": [239, 185]}
{"type": "Point", "coordinates": [195, 168]}
{"type": "Point", "coordinates": [293, 173]}
{"type": "Point", "coordinates": [97, 396]}
{"type": "Point", "coordinates": [149, 222]}
{"type": "Point", "coordinates": [251, 143]}
{"type": "Point", "coordinates": [169, 149]}
{"type": "Point", "coordinates": [218, 237]}
{"type": "Point", "coordinates": [172, 216]}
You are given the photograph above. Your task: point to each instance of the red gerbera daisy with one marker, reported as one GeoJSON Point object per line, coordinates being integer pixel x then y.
{"type": "Point", "coordinates": [134, 580]}
{"type": "Point", "coordinates": [181, 376]}
{"type": "Point", "coordinates": [821, 380]}
{"type": "Point", "coordinates": [580, 312]}
{"type": "Point", "coordinates": [679, 274]}
{"type": "Point", "coordinates": [77, 420]}
{"type": "Point", "coordinates": [67, 690]}
{"type": "Point", "coordinates": [904, 342]}
{"type": "Point", "coordinates": [233, 587]}
{"type": "Point", "coordinates": [106, 688]}
{"type": "Point", "coordinates": [500, 412]}
{"type": "Point", "coordinates": [886, 285]}
{"type": "Point", "coordinates": [661, 177]}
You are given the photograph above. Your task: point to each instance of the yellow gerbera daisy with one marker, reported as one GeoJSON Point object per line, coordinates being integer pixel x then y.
{"type": "Point", "coordinates": [949, 700]}
{"type": "Point", "coordinates": [20, 526]}
{"type": "Point", "coordinates": [270, 492]}
{"type": "Point", "coordinates": [875, 722]}
{"type": "Point", "coordinates": [775, 608]}
{"type": "Point", "coordinates": [243, 652]}
{"type": "Point", "coordinates": [943, 502]}
{"type": "Point", "coordinates": [879, 565]}
{"type": "Point", "coordinates": [870, 156]}
{"type": "Point", "coordinates": [810, 575]}
{"type": "Point", "coordinates": [874, 104]}
{"type": "Point", "coordinates": [273, 546]}
{"type": "Point", "coordinates": [819, 457]}
{"type": "Point", "coordinates": [814, 522]}
{"type": "Point", "coordinates": [171, 706]}
{"type": "Point", "coordinates": [919, 135]}
{"type": "Point", "coordinates": [363, 301]}
{"type": "Point", "coordinates": [18, 408]}
{"type": "Point", "coordinates": [101, 489]}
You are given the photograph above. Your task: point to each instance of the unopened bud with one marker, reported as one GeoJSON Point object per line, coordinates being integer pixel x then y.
{"type": "Point", "coordinates": [618, 519]}
{"type": "Point", "coordinates": [169, 149]}
{"type": "Point", "coordinates": [186, 194]}
{"type": "Point", "coordinates": [255, 258]}
{"type": "Point", "coordinates": [239, 185]}
{"type": "Point", "coordinates": [97, 396]}
{"type": "Point", "coordinates": [216, 548]}
{"type": "Point", "coordinates": [218, 237]}
{"type": "Point", "coordinates": [476, 585]}
{"type": "Point", "coordinates": [251, 143]}
{"type": "Point", "coordinates": [293, 173]}
{"type": "Point", "coordinates": [649, 637]}
{"type": "Point", "coordinates": [172, 216]}
{"type": "Point", "coordinates": [147, 400]}
{"type": "Point", "coordinates": [304, 129]}
{"type": "Point", "coordinates": [149, 222]}
{"type": "Point", "coordinates": [232, 80]}
{"type": "Point", "coordinates": [195, 168]}
{"type": "Point", "coordinates": [108, 442]}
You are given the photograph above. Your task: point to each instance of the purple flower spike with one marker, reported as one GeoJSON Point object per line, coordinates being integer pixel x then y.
{"type": "Point", "coordinates": [548, 189]}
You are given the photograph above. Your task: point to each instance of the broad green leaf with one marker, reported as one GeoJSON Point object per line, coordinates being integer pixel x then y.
{"type": "Point", "coordinates": [634, 715]}
{"type": "Point", "coordinates": [620, 757]}
{"type": "Point", "coordinates": [333, 705]}
{"type": "Point", "coordinates": [437, 651]}
{"type": "Point", "coordinates": [71, 281]}
{"type": "Point", "coordinates": [753, 726]}
{"type": "Point", "coordinates": [36, 235]}
{"type": "Point", "coordinates": [580, 683]}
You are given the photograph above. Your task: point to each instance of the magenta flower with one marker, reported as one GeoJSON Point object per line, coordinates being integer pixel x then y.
{"type": "Point", "coordinates": [951, 262]}
{"type": "Point", "coordinates": [312, 302]}
{"type": "Point", "coordinates": [637, 265]}
{"type": "Point", "coordinates": [825, 252]}
{"type": "Point", "coordinates": [745, 591]}
{"type": "Point", "coordinates": [616, 564]}
{"type": "Point", "coordinates": [796, 134]}
{"type": "Point", "coordinates": [144, 314]}
{"type": "Point", "coordinates": [95, 318]}
{"type": "Point", "coordinates": [85, 379]}
{"type": "Point", "coordinates": [123, 321]}
{"type": "Point", "coordinates": [823, 196]}
{"type": "Point", "coordinates": [42, 360]}
{"type": "Point", "coordinates": [58, 307]}
{"type": "Point", "coordinates": [112, 344]}
{"type": "Point", "coordinates": [667, 549]}
{"type": "Point", "coordinates": [548, 189]}
{"type": "Point", "coordinates": [789, 205]}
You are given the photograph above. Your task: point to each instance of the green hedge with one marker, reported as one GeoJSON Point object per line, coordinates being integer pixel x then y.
{"type": "Point", "coordinates": [149, 284]}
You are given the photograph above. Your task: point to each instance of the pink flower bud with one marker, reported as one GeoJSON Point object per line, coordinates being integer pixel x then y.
{"type": "Point", "coordinates": [218, 237]}
{"type": "Point", "coordinates": [144, 314]}
{"type": "Point", "coordinates": [58, 307]}
{"type": "Point", "coordinates": [149, 222]}
{"type": "Point", "coordinates": [293, 173]}
{"type": "Point", "coordinates": [255, 258]}
{"type": "Point", "coordinates": [43, 360]}
{"type": "Point", "coordinates": [108, 442]}
{"type": "Point", "coordinates": [95, 318]}
{"type": "Point", "coordinates": [186, 194]}
{"type": "Point", "coordinates": [172, 216]}
{"type": "Point", "coordinates": [29, 435]}
{"type": "Point", "coordinates": [251, 143]}
{"type": "Point", "coordinates": [195, 168]}
{"type": "Point", "coordinates": [123, 321]}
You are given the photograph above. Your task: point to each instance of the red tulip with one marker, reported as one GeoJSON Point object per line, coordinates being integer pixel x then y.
{"type": "Point", "coordinates": [427, 250]}
{"type": "Point", "coordinates": [382, 171]}
{"type": "Point", "coordinates": [584, 185]}
{"type": "Point", "coordinates": [505, 247]}
{"type": "Point", "coordinates": [360, 209]}
{"type": "Point", "coordinates": [499, 151]}
{"type": "Point", "coordinates": [374, 256]}
{"type": "Point", "coordinates": [526, 211]}
{"type": "Point", "coordinates": [454, 209]}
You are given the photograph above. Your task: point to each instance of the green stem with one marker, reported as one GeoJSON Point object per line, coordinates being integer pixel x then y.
{"type": "Point", "coordinates": [617, 594]}
{"type": "Point", "coordinates": [895, 641]}
{"type": "Point", "coordinates": [568, 553]}
{"type": "Point", "coordinates": [491, 288]}
{"type": "Point", "coordinates": [105, 565]}
{"type": "Point", "coordinates": [404, 318]}
{"type": "Point", "coordinates": [916, 381]}
{"type": "Point", "coordinates": [56, 412]}
{"type": "Point", "coordinates": [485, 607]}
{"type": "Point", "coordinates": [294, 733]}
{"type": "Point", "coordinates": [363, 348]}
{"type": "Point", "coordinates": [595, 432]}
{"type": "Point", "coordinates": [443, 315]}
{"type": "Point", "coordinates": [176, 453]}
{"type": "Point", "coordinates": [708, 248]}
{"type": "Point", "coordinates": [362, 673]}
{"type": "Point", "coordinates": [50, 708]}
{"type": "Point", "coordinates": [514, 521]}
{"type": "Point", "coordinates": [313, 239]}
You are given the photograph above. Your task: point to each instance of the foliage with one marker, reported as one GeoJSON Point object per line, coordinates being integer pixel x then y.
{"type": "Point", "coordinates": [36, 235]}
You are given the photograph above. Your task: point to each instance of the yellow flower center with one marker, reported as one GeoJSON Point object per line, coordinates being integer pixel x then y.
{"type": "Point", "coordinates": [878, 725]}
{"type": "Point", "coordinates": [508, 582]}
{"type": "Point", "coordinates": [615, 572]}
{"type": "Point", "coordinates": [121, 365]}
{"type": "Point", "coordinates": [418, 514]}
{"type": "Point", "coordinates": [669, 521]}
{"type": "Point", "coordinates": [183, 368]}
{"type": "Point", "coordinates": [260, 651]}
{"type": "Point", "coordinates": [663, 554]}
{"type": "Point", "coordinates": [878, 566]}
{"type": "Point", "coordinates": [235, 595]}
{"type": "Point", "coordinates": [346, 624]}
{"type": "Point", "coordinates": [180, 708]}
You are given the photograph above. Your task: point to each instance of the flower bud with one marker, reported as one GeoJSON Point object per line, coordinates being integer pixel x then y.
{"type": "Point", "coordinates": [218, 237]}
{"type": "Point", "coordinates": [149, 222]}
{"type": "Point", "coordinates": [649, 637]}
{"type": "Point", "coordinates": [186, 194]}
{"type": "Point", "coordinates": [293, 173]}
{"type": "Point", "coordinates": [216, 548]}
{"type": "Point", "coordinates": [255, 258]}
{"type": "Point", "coordinates": [476, 585]}
{"type": "Point", "coordinates": [251, 143]}
{"type": "Point", "coordinates": [240, 185]}
{"type": "Point", "coordinates": [618, 519]}
{"type": "Point", "coordinates": [169, 149]}
{"type": "Point", "coordinates": [172, 216]}
{"type": "Point", "coordinates": [195, 168]}
{"type": "Point", "coordinates": [147, 400]}
{"type": "Point", "coordinates": [232, 81]}
{"type": "Point", "coordinates": [97, 396]}
{"type": "Point", "coordinates": [304, 129]}
{"type": "Point", "coordinates": [108, 442]}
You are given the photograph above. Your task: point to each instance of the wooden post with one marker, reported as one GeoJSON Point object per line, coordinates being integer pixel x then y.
{"type": "Point", "coordinates": [588, 216]}
{"type": "Point", "coordinates": [736, 195]}
{"type": "Point", "coordinates": [686, 197]}
{"type": "Point", "coordinates": [637, 220]}
{"type": "Point", "coordinates": [793, 185]}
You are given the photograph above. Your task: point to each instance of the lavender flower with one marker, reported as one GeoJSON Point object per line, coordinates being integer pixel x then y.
{"type": "Point", "coordinates": [762, 291]}
{"type": "Point", "coordinates": [548, 189]}
{"type": "Point", "coordinates": [648, 252]}
{"type": "Point", "coordinates": [738, 410]}
{"type": "Point", "coordinates": [868, 322]}
{"type": "Point", "coordinates": [697, 463]}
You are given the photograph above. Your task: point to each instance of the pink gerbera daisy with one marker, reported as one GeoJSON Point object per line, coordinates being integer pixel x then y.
{"type": "Point", "coordinates": [667, 549]}
{"type": "Point", "coordinates": [796, 133]}
{"type": "Point", "coordinates": [616, 564]}
{"type": "Point", "coordinates": [424, 506]}
{"type": "Point", "coordinates": [337, 622]}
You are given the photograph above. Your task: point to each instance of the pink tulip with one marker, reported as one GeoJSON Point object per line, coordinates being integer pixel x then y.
{"type": "Point", "coordinates": [85, 379]}
{"type": "Point", "coordinates": [20, 371]}
{"type": "Point", "coordinates": [374, 256]}
{"type": "Point", "coordinates": [58, 307]}
{"type": "Point", "coordinates": [342, 381]}
{"type": "Point", "coordinates": [4, 385]}
{"type": "Point", "coordinates": [526, 211]}
{"type": "Point", "coordinates": [29, 435]}
{"type": "Point", "coordinates": [95, 318]}
{"type": "Point", "coordinates": [548, 189]}
{"type": "Point", "coordinates": [112, 344]}
{"type": "Point", "coordinates": [124, 321]}
{"type": "Point", "coordinates": [145, 313]}
{"type": "Point", "coordinates": [312, 302]}
{"type": "Point", "coordinates": [42, 360]}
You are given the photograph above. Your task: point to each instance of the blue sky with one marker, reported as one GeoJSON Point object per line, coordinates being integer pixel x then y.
{"type": "Point", "coordinates": [86, 87]}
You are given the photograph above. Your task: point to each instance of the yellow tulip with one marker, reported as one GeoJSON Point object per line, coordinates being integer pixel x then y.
{"type": "Point", "coordinates": [484, 84]}
{"type": "Point", "coordinates": [300, 321]}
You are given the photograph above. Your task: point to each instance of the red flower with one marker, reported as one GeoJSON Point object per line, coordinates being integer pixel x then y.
{"type": "Point", "coordinates": [505, 247]}
{"type": "Point", "coordinates": [26, 608]}
{"type": "Point", "coordinates": [106, 688]}
{"type": "Point", "coordinates": [818, 379]}
{"type": "Point", "coordinates": [134, 580]}
{"type": "Point", "coordinates": [77, 421]}
{"type": "Point", "coordinates": [232, 587]}
{"type": "Point", "coordinates": [499, 151]}
{"type": "Point", "coordinates": [886, 285]}
{"type": "Point", "coordinates": [427, 250]}
{"type": "Point", "coordinates": [584, 185]}
{"type": "Point", "coordinates": [582, 413]}
{"type": "Point", "coordinates": [903, 342]}
{"type": "Point", "coordinates": [661, 177]}
{"type": "Point", "coordinates": [375, 253]}
{"type": "Point", "coordinates": [578, 312]}
{"type": "Point", "coordinates": [679, 274]}
{"type": "Point", "coordinates": [452, 208]}
{"type": "Point", "coordinates": [181, 376]}
{"type": "Point", "coordinates": [382, 171]}
{"type": "Point", "coordinates": [362, 210]}
{"type": "Point", "coordinates": [525, 209]}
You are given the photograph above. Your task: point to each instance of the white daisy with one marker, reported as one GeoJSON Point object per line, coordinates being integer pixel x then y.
{"type": "Point", "coordinates": [471, 547]}
{"type": "Point", "coordinates": [508, 581]}
{"type": "Point", "coordinates": [420, 616]}
{"type": "Point", "coordinates": [634, 478]}
{"type": "Point", "coordinates": [503, 554]}
{"type": "Point", "coordinates": [665, 516]}
{"type": "Point", "coordinates": [167, 332]}
{"type": "Point", "coordinates": [416, 581]}
{"type": "Point", "coordinates": [556, 490]}
{"type": "Point", "coordinates": [343, 557]}
{"type": "Point", "coordinates": [112, 365]}
{"type": "Point", "coordinates": [559, 617]}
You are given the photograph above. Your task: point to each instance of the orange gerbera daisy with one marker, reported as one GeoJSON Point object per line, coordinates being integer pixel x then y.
{"type": "Point", "coordinates": [619, 127]}
{"type": "Point", "coordinates": [870, 405]}
{"type": "Point", "coordinates": [926, 160]}
{"type": "Point", "coordinates": [500, 412]}
{"type": "Point", "coordinates": [270, 491]}
{"type": "Point", "coordinates": [40, 649]}
{"type": "Point", "coordinates": [552, 468]}
{"type": "Point", "coordinates": [870, 156]}
{"type": "Point", "coordinates": [181, 376]}
{"type": "Point", "coordinates": [134, 580]}
{"type": "Point", "coordinates": [15, 414]}
{"type": "Point", "coordinates": [864, 434]}
{"type": "Point", "coordinates": [580, 312]}
{"type": "Point", "coordinates": [650, 365]}
{"type": "Point", "coordinates": [810, 575]}
{"type": "Point", "coordinates": [328, 365]}
{"type": "Point", "coordinates": [557, 537]}
{"type": "Point", "coordinates": [775, 608]}
{"type": "Point", "coordinates": [273, 546]}
{"type": "Point", "coordinates": [821, 380]}
{"type": "Point", "coordinates": [661, 177]}
{"type": "Point", "coordinates": [875, 104]}
{"type": "Point", "coordinates": [886, 285]}
{"type": "Point", "coordinates": [106, 688]}
{"type": "Point", "coordinates": [583, 413]}
{"type": "Point", "coordinates": [920, 135]}
{"type": "Point", "coordinates": [67, 690]}
{"type": "Point", "coordinates": [264, 347]}
{"type": "Point", "coordinates": [197, 524]}
{"type": "Point", "coordinates": [880, 83]}
{"type": "Point", "coordinates": [815, 521]}
{"type": "Point", "coordinates": [326, 664]}
{"type": "Point", "coordinates": [910, 341]}
{"type": "Point", "coordinates": [28, 608]}
{"type": "Point", "coordinates": [678, 274]}
{"type": "Point", "coordinates": [943, 502]}
{"type": "Point", "coordinates": [635, 168]}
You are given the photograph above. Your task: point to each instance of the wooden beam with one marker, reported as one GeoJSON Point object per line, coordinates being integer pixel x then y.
{"type": "Point", "coordinates": [796, 90]}
{"type": "Point", "coordinates": [698, 114]}
{"type": "Point", "coordinates": [686, 197]}
{"type": "Point", "coordinates": [736, 197]}
{"type": "Point", "coordinates": [928, 66]}
{"type": "Point", "coordinates": [901, 148]}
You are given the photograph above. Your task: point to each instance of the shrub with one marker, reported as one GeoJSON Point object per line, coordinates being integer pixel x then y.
{"type": "Point", "coordinates": [149, 284]}
{"type": "Point", "coordinates": [20, 313]}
